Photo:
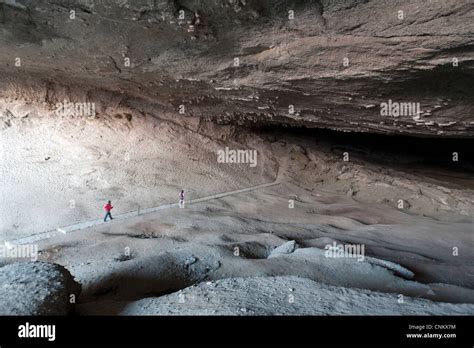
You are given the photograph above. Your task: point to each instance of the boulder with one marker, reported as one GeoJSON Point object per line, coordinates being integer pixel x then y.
{"type": "Point", "coordinates": [36, 288]}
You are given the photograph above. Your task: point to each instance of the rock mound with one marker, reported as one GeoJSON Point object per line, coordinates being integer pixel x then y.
{"type": "Point", "coordinates": [36, 288]}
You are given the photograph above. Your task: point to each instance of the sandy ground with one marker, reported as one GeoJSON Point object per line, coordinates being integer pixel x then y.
{"type": "Point", "coordinates": [128, 266]}
{"type": "Point", "coordinates": [149, 256]}
{"type": "Point", "coordinates": [56, 172]}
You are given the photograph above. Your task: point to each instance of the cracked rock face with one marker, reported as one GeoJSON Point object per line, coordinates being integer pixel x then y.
{"type": "Point", "coordinates": [346, 64]}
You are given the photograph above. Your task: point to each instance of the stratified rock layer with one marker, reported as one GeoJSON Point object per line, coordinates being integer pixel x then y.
{"type": "Point", "coordinates": [320, 63]}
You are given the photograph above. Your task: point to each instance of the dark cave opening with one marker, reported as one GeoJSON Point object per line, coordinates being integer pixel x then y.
{"type": "Point", "coordinates": [449, 154]}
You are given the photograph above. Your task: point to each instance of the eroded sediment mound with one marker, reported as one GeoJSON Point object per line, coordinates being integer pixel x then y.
{"type": "Point", "coordinates": [279, 296]}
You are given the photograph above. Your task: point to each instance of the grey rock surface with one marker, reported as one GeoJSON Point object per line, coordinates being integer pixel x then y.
{"type": "Point", "coordinates": [36, 288]}
{"type": "Point", "coordinates": [283, 249]}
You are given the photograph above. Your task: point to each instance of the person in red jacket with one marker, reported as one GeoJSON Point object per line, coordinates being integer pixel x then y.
{"type": "Point", "coordinates": [108, 207]}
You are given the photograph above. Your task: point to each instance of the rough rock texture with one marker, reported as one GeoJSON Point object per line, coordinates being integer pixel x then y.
{"type": "Point", "coordinates": [246, 61]}
{"type": "Point", "coordinates": [283, 249]}
{"type": "Point", "coordinates": [276, 296]}
{"type": "Point", "coordinates": [36, 288]}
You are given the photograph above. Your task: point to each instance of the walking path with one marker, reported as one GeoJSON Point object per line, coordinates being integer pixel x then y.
{"type": "Point", "coordinates": [90, 223]}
